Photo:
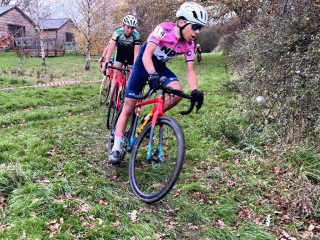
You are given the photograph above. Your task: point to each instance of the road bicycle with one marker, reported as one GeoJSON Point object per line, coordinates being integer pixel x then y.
{"type": "Point", "coordinates": [118, 93]}
{"type": "Point", "coordinates": [157, 147]}
{"type": "Point", "coordinates": [199, 58]}
{"type": "Point", "coordinates": [106, 86]}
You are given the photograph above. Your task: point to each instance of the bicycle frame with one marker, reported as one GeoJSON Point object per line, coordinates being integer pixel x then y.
{"type": "Point", "coordinates": [122, 83]}
{"type": "Point", "coordinates": [110, 73]}
{"type": "Point", "coordinates": [157, 111]}
{"type": "Point", "coordinates": [131, 134]}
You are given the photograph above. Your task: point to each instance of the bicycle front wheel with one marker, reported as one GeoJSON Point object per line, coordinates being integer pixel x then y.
{"type": "Point", "coordinates": [155, 166]}
{"type": "Point", "coordinates": [112, 106]}
{"type": "Point", "coordinates": [104, 90]}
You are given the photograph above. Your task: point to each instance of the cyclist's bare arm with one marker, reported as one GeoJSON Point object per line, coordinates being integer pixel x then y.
{"type": "Point", "coordinates": [105, 51]}
{"type": "Point", "coordinates": [147, 56]}
{"type": "Point", "coordinates": [192, 78]}
{"type": "Point", "coordinates": [112, 46]}
{"type": "Point", "coordinates": [136, 52]}
{"type": "Point", "coordinates": [102, 60]}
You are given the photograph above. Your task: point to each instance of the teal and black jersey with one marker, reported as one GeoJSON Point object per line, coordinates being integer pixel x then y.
{"type": "Point", "coordinates": [125, 46]}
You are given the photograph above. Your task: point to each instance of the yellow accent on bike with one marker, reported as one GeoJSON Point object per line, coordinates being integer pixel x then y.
{"type": "Point", "coordinates": [144, 124]}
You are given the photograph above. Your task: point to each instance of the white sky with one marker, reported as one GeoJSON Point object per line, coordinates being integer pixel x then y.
{"type": "Point", "coordinates": [60, 8]}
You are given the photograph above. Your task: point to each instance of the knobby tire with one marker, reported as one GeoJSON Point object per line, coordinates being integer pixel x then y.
{"type": "Point", "coordinates": [112, 106]}
{"type": "Point", "coordinates": [152, 180]}
{"type": "Point", "coordinates": [104, 90]}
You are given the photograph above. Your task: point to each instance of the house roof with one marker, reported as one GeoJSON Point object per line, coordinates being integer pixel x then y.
{"type": "Point", "coordinates": [6, 8]}
{"type": "Point", "coordinates": [51, 24]}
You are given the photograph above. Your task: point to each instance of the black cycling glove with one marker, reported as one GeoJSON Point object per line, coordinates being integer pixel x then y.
{"type": "Point", "coordinates": [153, 81]}
{"type": "Point", "coordinates": [197, 96]}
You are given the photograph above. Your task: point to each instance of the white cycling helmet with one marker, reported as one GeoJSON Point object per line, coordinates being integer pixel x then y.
{"type": "Point", "coordinates": [193, 13]}
{"type": "Point", "coordinates": [130, 20]}
{"type": "Point", "coordinates": [198, 45]}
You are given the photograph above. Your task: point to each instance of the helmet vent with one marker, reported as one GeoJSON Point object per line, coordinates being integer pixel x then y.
{"type": "Point", "coordinates": [194, 14]}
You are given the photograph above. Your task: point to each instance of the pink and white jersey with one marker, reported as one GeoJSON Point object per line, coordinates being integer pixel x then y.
{"type": "Point", "coordinates": [168, 44]}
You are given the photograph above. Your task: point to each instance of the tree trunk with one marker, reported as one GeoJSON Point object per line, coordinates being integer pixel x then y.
{"type": "Point", "coordinates": [43, 55]}
{"type": "Point", "coordinates": [40, 35]}
{"type": "Point", "coordinates": [87, 67]}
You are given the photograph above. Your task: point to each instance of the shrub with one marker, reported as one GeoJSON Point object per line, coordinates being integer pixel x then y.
{"type": "Point", "coordinates": [279, 64]}
{"type": "Point", "coordinates": [208, 38]}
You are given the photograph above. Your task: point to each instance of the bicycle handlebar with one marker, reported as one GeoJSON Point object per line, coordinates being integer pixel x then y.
{"type": "Point", "coordinates": [120, 69]}
{"type": "Point", "coordinates": [170, 90]}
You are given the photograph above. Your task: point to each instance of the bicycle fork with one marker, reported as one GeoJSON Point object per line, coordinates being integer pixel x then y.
{"type": "Point", "coordinates": [157, 155]}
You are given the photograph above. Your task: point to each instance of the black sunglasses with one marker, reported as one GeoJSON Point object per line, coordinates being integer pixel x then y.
{"type": "Point", "coordinates": [196, 27]}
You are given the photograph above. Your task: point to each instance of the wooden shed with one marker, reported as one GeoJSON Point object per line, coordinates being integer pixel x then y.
{"type": "Point", "coordinates": [19, 24]}
{"type": "Point", "coordinates": [59, 35]}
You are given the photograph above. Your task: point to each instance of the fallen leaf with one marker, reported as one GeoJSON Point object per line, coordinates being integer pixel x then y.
{"type": "Point", "coordinates": [116, 224]}
{"type": "Point", "coordinates": [33, 214]}
{"type": "Point", "coordinates": [85, 208]}
{"type": "Point", "coordinates": [158, 185]}
{"type": "Point", "coordinates": [52, 222]}
{"type": "Point", "coordinates": [54, 227]}
{"type": "Point", "coordinates": [159, 236]}
{"type": "Point", "coordinates": [305, 234]}
{"type": "Point", "coordinates": [177, 193]}
{"type": "Point", "coordinates": [221, 224]}
{"type": "Point", "coordinates": [276, 170]}
{"type": "Point", "coordinates": [100, 221]}
{"type": "Point", "coordinates": [133, 216]}
{"type": "Point", "coordinates": [102, 202]}
{"type": "Point", "coordinates": [285, 217]}
{"type": "Point", "coordinates": [192, 227]}
{"type": "Point", "coordinates": [311, 228]}
{"type": "Point", "coordinates": [85, 224]}
{"type": "Point", "coordinates": [285, 234]}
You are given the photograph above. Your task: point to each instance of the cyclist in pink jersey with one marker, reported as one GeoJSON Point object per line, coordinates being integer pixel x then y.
{"type": "Point", "coordinates": [167, 40]}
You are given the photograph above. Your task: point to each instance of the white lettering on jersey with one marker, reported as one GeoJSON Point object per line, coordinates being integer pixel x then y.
{"type": "Point", "coordinates": [164, 53]}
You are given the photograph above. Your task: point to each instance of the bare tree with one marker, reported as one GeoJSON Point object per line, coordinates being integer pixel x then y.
{"type": "Point", "coordinates": [87, 10]}
{"type": "Point", "coordinates": [5, 2]}
{"type": "Point", "coordinates": [95, 22]}
{"type": "Point", "coordinates": [39, 11]}
{"type": "Point", "coordinates": [23, 4]}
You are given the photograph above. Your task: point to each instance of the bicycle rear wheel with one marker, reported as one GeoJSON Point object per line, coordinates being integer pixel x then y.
{"type": "Point", "coordinates": [152, 177]}
{"type": "Point", "coordinates": [112, 106]}
{"type": "Point", "coordinates": [104, 89]}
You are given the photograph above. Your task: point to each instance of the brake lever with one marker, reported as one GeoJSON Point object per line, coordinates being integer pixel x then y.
{"type": "Point", "coordinates": [150, 93]}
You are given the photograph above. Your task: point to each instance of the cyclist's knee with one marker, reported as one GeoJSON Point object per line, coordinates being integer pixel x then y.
{"type": "Point", "coordinates": [176, 99]}
{"type": "Point", "coordinates": [129, 105]}
{"type": "Point", "coordinates": [175, 85]}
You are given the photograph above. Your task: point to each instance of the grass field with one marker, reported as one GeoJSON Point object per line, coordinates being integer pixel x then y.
{"type": "Point", "coordinates": [55, 181]}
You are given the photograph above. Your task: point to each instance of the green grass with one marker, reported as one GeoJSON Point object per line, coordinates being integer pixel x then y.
{"type": "Point", "coordinates": [55, 180]}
